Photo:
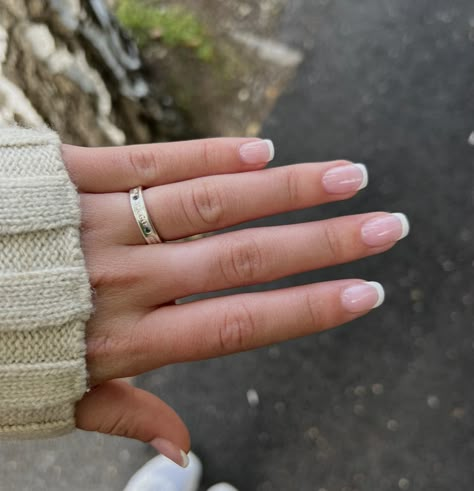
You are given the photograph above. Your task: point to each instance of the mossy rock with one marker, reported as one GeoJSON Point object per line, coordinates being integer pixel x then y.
{"type": "Point", "coordinates": [173, 25]}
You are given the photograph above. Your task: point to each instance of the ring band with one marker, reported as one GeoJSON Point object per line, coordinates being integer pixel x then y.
{"type": "Point", "coordinates": [141, 216]}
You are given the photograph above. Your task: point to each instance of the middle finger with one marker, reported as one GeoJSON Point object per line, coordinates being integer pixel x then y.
{"type": "Point", "coordinates": [253, 256]}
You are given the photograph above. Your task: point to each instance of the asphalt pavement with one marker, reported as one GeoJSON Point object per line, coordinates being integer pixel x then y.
{"type": "Point", "coordinates": [386, 402]}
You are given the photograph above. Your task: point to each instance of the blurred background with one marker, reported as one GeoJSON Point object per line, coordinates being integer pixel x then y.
{"type": "Point", "coordinates": [385, 403]}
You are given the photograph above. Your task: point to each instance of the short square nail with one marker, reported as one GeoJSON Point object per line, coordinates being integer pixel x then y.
{"type": "Point", "coordinates": [345, 179]}
{"type": "Point", "coordinates": [257, 152]}
{"type": "Point", "coordinates": [170, 450]}
{"type": "Point", "coordinates": [385, 230]}
{"type": "Point", "coordinates": [363, 297]}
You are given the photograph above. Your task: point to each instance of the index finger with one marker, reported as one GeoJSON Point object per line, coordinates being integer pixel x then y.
{"type": "Point", "coordinates": [113, 169]}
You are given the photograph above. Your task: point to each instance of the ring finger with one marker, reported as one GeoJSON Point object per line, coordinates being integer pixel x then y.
{"type": "Point", "coordinates": [211, 203]}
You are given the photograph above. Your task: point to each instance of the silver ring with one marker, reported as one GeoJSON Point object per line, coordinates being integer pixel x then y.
{"type": "Point", "coordinates": [141, 216]}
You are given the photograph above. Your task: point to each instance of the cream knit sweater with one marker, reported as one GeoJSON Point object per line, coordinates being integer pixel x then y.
{"type": "Point", "coordinates": [45, 297]}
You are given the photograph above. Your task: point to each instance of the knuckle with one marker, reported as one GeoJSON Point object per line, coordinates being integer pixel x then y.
{"type": "Point", "coordinates": [292, 181]}
{"type": "Point", "coordinates": [237, 329]}
{"type": "Point", "coordinates": [207, 204]}
{"type": "Point", "coordinates": [313, 311]}
{"type": "Point", "coordinates": [334, 246]}
{"type": "Point", "coordinates": [144, 163]}
{"type": "Point", "coordinates": [120, 424]}
{"type": "Point", "coordinates": [242, 263]}
{"type": "Point", "coordinates": [209, 153]}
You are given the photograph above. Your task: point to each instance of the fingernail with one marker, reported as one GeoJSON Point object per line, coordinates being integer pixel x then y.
{"type": "Point", "coordinates": [257, 152]}
{"type": "Point", "coordinates": [363, 297]}
{"type": "Point", "coordinates": [170, 450]}
{"type": "Point", "coordinates": [385, 230]}
{"type": "Point", "coordinates": [346, 179]}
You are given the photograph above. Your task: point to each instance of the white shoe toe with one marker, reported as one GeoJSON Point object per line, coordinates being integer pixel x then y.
{"type": "Point", "coordinates": [223, 486]}
{"type": "Point", "coordinates": [161, 474]}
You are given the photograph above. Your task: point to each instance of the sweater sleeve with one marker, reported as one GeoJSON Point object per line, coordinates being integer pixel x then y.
{"type": "Point", "coordinates": [45, 296]}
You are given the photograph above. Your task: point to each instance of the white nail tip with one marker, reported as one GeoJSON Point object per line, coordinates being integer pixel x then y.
{"type": "Point", "coordinates": [185, 459]}
{"type": "Point", "coordinates": [365, 178]}
{"type": "Point", "coordinates": [271, 148]}
{"type": "Point", "coordinates": [380, 293]}
{"type": "Point", "coordinates": [405, 224]}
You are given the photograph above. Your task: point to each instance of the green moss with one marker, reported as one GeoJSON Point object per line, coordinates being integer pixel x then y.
{"type": "Point", "coordinates": [175, 26]}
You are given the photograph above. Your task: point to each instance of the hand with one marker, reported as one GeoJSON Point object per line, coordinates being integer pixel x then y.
{"type": "Point", "coordinates": [191, 188]}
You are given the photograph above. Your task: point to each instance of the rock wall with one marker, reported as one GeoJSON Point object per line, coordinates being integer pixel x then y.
{"type": "Point", "coordinates": [68, 64]}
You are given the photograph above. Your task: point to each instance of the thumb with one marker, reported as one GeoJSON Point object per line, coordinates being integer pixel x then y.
{"type": "Point", "coordinates": [118, 408]}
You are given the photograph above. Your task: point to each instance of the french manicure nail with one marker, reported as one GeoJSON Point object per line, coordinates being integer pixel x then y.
{"type": "Point", "coordinates": [170, 450]}
{"type": "Point", "coordinates": [385, 230]}
{"type": "Point", "coordinates": [257, 152]}
{"type": "Point", "coordinates": [363, 297]}
{"type": "Point", "coordinates": [346, 178]}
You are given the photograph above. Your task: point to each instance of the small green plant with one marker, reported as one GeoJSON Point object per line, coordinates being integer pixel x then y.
{"type": "Point", "coordinates": [174, 25]}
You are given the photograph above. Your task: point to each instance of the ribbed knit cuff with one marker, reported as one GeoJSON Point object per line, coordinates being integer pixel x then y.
{"type": "Point", "coordinates": [45, 296]}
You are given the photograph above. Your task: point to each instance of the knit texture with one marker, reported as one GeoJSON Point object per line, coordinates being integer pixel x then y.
{"type": "Point", "coordinates": [45, 297]}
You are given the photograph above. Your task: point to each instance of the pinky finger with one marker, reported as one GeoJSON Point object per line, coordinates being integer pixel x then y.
{"type": "Point", "coordinates": [218, 326]}
{"type": "Point", "coordinates": [118, 408]}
